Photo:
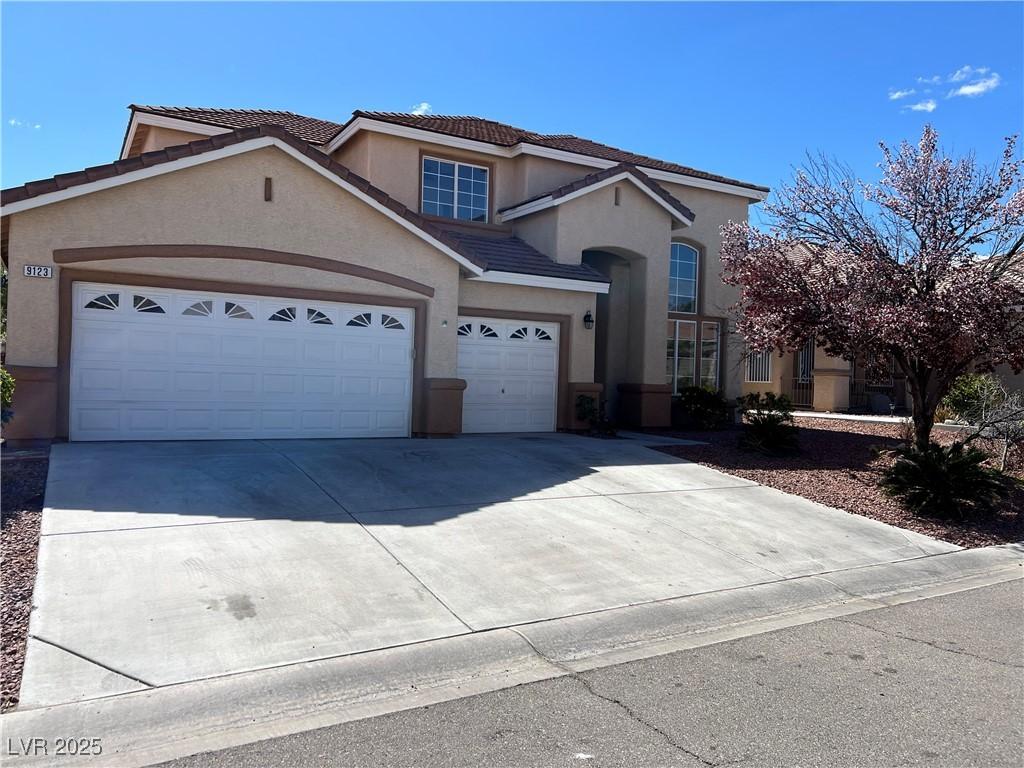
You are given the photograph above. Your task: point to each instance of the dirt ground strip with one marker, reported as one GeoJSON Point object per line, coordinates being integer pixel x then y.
{"type": "Point", "coordinates": [22, 484]}
{"type": "Point", "coordinates": [839, 464]}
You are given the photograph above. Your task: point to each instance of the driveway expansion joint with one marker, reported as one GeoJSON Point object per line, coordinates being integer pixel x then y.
{"type": "Point", "coordinates": [369, 533]}
{"type": "Point", "coordinates": [99, 664]}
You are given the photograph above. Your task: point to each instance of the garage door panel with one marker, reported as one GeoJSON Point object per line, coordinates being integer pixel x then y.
{"type": "Point", "coordinates": [239, 347]}
{"type": "Point", "coordinates": [194, 420]}
{"type": "Point", "coordinates": [102, 420]}
{"type": "Point", "coordinates": [316, 351]}
{"type": "Point", "coordinates": [314, 385]}
{"type": "Point", "coordinates": [187, 382]}
{"type": "Point", "coordinates": [147, 419]}
{"type": "Point", "coordinates": [147, 384]}
{"type": "Point", "coordinates": [279, 351]}
{"type": "Point", "coordinates": [101, 340]}
{"type": "Point", "coordinates": [196, 346]}
{"type": "Point", "coordinates": [227, 371]}
{"type": "Point", "coordinates": [511, 373]}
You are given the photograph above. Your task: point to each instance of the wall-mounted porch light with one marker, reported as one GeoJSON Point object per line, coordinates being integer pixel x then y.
{"type": "Point", "coordinates": [588, 320]}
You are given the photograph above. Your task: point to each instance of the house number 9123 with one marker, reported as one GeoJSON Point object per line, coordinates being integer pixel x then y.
{"type": "Point", "coordinates": [31, 270]}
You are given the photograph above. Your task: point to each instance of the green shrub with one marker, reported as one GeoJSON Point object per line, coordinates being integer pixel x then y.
{"type": "Point", "coordinates": [6, 395]}
{"type": "Point", "coordinates": [768, 423]}
{"type": "Point", "coordinates": [700, 408]}
{"type": "Point", "coordinates": [592, 411]}
{"type": "Point", "coordinates": [944, 482]}
{"type": "Point", "coordinates": [972, 395]}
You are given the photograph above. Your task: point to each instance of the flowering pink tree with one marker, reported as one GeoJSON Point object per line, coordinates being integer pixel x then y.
{"type": "Point", "coordinates": [925, 268]}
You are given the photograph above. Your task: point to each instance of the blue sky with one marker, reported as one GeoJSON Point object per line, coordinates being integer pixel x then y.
{"type": "Point", "coordinates": [738, 89]}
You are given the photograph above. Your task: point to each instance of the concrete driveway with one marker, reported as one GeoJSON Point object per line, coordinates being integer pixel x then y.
{"type": "Point", "coordinates": [163, 563]}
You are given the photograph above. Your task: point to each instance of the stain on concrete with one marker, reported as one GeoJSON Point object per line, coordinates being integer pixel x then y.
{"type": "Point", "coordinates": [239, 606]}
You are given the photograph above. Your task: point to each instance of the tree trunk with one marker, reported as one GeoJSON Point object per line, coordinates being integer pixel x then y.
{"type": "Point", "coordinates": [924, 419]}
{"type": "Point", "coordinates": [924, 410]}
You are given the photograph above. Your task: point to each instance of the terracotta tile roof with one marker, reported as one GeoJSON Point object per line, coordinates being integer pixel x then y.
{"type": "Point", "coordinates": [505, 254]}
{"type": "Point", "coordinates": [510, 254]}
{"type": "Point", "coordinates": [221, 140]}
{"type": "Point", "coordinates": [320, 132]}
{"type": "Point", "coordinates": [310, 129]}
{"type": "Point", "coordinates": [467, 127]}
{"type": "Point", "coordinates": [607, 173]}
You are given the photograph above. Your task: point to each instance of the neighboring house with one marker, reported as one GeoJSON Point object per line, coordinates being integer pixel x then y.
{"type": "Point", "coordinates": [815, 380]}
{"type": "Point", "coordinates": [249, 273]}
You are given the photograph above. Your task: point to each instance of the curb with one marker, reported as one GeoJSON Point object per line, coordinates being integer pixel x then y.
{"type": "Point", "coordinates": [145, 727]}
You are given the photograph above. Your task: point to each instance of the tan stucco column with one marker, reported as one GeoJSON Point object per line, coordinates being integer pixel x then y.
{"type": "Point", "coordinates": [831, 382]}
{"type": "Point", "coordinates": [645, 399]}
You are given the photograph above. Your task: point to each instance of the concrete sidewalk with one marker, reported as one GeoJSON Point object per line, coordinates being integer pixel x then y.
{"type": "Point", "coordinates": [936, 682]}
{"type": "Point", "coordinates": [147, 726]}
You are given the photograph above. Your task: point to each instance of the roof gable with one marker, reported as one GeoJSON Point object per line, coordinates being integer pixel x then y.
{"type": "Point", "coordinates": [310, 129]}
{"type": "Point", "coordinates": [594, 181]}
{"type": "Point", "coordinates": [68, 185]}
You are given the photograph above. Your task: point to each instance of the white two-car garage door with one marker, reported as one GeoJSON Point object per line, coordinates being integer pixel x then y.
{"type": "Point", "coordinates": [158, 364]}
{"type": "Point", "coordinates": [511, 373]}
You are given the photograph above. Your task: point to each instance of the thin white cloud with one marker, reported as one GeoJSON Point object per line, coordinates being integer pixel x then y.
{"type": "Point", "coordinates": [16, 123]}
{"type": "Point", "coordinates": [969, 81]}
{"type": "Point", "coordinates": [928, 105]}
{"type": "Point", "coordinates": [895, 95]}
{"type": "Point", "coordinates": [976, 87]}
{"type": "Point", "coordinates": [966, 72]}
{"type": "Point", "coordinates": [423, 108]}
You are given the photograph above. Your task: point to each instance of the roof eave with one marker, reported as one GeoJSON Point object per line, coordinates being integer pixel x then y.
{"type": "Point", "coordinates": [359, 122]}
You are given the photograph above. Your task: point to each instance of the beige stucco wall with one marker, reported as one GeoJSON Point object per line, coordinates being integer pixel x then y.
{"type": "Point", "coordinates": [517, 298]}
{"type": "Point", "coordinates": [711, 210]}
{"type": "Point", "coordinates": [638, 230]}
{"type": "Point", "coordinates": [1014, 382]}
{"type": "Point", "coordinates": [355, 154]}
{"type": "Point", "coordinates": [158, 138]}
{"type": "Point", "coordinates": [221, 202]}
{"type": "Point", "coordinates": [542, 175]}
{"type": "Point", "coordinates": [393, 164]}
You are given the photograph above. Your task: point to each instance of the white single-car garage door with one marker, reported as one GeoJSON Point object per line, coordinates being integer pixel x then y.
{"type": "Point", "coordinates": [159, 364]}
{"type": "Point", "coordinates": [511, 373]}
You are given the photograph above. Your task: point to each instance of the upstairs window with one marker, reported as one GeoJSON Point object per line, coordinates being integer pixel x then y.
{"type": "Point", "coordinates": [682, 279]}
{"type": "Point", "coordinates": [455, 190]}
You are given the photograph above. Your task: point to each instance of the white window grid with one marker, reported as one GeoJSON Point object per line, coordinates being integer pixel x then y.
{"type": "Point", "coordinates": [455, 190]}
{"type": "Point", "coordinates": [759, 367]}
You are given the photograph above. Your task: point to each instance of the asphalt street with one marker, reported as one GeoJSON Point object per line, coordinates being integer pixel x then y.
{"type": "Point", "coordinates": [937, 682]}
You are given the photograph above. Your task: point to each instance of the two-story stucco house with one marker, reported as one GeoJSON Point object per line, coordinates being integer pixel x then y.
{"type": "Point", "coordinates": [245, 273]}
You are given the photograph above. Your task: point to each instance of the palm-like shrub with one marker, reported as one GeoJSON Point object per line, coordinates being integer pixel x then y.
{"type": "Point", "coordinates": [945, 482]}
{"type": "Point", "coordinates": [768, 423]}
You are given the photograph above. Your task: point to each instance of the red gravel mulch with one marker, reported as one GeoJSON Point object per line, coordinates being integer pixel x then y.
{"type": "Point", "coordinates": [839, 465]}
{"type": "Point", "coordinates": [22, 483]}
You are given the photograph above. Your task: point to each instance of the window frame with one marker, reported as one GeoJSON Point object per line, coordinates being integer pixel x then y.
{"type": "Point", "coordinates": [718, 353]}
{"type": "Point", "coordinates": [762, 361]}
{"type": "Point", "coordinates": [489, 169]}
{"type": "Point", "coordinates": [698, 326]}
{"type": "Point", "coordinates": [674, 339]}
{"type": "Point", "coordinates": [698, 258]}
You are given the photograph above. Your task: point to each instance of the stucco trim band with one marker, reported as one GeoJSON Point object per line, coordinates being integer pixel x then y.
{"type": "Point", "coordinates": [105, 253]}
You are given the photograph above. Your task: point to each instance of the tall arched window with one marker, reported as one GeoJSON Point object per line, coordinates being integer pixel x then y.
{"type": "Point", "coordinates": [682, 279]}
